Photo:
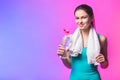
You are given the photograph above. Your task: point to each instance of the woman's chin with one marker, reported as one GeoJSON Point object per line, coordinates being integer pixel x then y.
{"type": "Point", "coordinates": [81, 27]}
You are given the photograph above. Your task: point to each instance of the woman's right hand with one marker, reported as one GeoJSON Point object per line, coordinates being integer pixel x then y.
{"type": "Point", "coordinates": [64, 55]}
{"type": "Point", "coordinates": [62, 52]}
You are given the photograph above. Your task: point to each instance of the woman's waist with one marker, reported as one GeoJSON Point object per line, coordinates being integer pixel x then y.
{"type": "Point", "coordinates": [81, 75]}
{"type": "Point", "coordinates": [84, 68]}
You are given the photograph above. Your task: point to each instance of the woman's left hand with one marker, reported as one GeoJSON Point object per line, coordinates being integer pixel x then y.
{"type": "Point", "coordinates": [100, 58]}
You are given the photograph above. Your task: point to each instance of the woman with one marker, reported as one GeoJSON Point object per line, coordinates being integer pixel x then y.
{"type": "Point", "coordinates": [87, 50]}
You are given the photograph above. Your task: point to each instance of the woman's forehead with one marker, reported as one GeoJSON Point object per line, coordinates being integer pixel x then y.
{"type": "Point", "coordinates": [81, 12]}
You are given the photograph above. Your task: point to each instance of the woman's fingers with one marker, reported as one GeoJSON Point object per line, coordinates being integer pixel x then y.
{"type": "Point", "coordinates": [100, 58]}
{"type": "Point", "coordinates": [61, 47]}
{"type": "Point", "coordinates": [61, 50]}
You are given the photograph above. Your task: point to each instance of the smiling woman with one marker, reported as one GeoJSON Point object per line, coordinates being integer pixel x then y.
{"type": "Point", "coordinates": [82, 19]}
{"type": "Point", "coordinates": [88, 48]}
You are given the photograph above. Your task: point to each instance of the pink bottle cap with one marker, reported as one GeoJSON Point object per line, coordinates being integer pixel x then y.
{"type": "Point", "coordinates": [66, 31]}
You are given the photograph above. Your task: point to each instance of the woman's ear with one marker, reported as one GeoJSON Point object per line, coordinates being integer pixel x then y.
{"type": "Point", "coordinates": [92, 18]}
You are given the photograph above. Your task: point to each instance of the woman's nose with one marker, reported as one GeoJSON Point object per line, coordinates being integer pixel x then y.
{"type": "Point", "coordinates": [80, 21]}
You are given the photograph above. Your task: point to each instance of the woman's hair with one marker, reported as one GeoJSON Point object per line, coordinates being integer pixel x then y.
{"type": "Point", "coordinates": [86, 8]}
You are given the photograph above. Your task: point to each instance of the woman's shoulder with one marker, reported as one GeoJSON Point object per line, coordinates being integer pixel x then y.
{"type": "Point", "coordinates": [103, 39]}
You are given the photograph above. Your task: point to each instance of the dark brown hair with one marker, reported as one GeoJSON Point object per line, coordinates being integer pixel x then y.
{"type": "Point", "coordinates": [86, 8]}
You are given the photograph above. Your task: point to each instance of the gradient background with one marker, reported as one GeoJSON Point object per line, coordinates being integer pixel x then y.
{"type": "Point", "coordinates": [31, 30]}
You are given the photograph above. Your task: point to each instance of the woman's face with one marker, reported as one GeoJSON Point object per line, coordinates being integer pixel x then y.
{"type": "Point", "coordinates": [82, 19]}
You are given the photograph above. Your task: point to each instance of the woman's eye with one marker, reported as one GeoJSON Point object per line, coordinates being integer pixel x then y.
{"type": "Point", "coordinates": [77, 18]}
{"type": "Point", "coordinates": [84, 17]}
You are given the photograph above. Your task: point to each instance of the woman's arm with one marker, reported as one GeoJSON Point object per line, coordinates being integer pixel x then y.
{"type": "Point", "coordinates": [104, 51]}
{"type": "Point", "coordinates": [102, 57]}
{"type": "Point", "coordinates": [66, 60]}
{"type": "Point", "coordinates": [64, 54]}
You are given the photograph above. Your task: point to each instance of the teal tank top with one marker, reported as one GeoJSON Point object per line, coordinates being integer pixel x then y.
{"type": "Point", "coordinates": [81, 70]}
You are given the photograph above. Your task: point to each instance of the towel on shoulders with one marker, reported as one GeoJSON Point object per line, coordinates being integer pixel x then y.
{"type": "Point", "coordinates": [93, 46]}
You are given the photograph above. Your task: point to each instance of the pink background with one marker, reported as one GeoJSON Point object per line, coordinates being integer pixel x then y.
{"type": "Point", "coordinates": [31, 30]}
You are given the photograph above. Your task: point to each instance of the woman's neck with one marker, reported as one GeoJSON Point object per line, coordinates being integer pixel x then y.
{"type": "Point", "coordinates": [85, 32]}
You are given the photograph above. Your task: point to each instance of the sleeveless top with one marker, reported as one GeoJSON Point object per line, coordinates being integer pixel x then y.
{"type": "Point", "coordinates": [81, 70]}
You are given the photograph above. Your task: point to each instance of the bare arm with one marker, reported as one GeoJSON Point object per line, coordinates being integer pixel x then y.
{"type": "Point", "coordinates": [104, 51]}
{"type": "Point", "coordinates": [102, 57]}
{"type": "Point", "coordinates": [66, 60]}
{"type": "Point", "coordinates": [64, 54]}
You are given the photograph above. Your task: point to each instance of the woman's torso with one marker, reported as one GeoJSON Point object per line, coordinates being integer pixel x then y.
{"type": "Point", "coordinates": [81, 70]}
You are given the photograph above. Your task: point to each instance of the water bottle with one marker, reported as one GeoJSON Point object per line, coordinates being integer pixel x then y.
{"type": "Point", "coordinates": [68, 43]}
{"type": "Point", "coordinates": [66, 40]}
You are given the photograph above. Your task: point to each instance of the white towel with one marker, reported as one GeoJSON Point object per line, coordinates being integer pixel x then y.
{"type": "Point", "coordinates": [93, 47]}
